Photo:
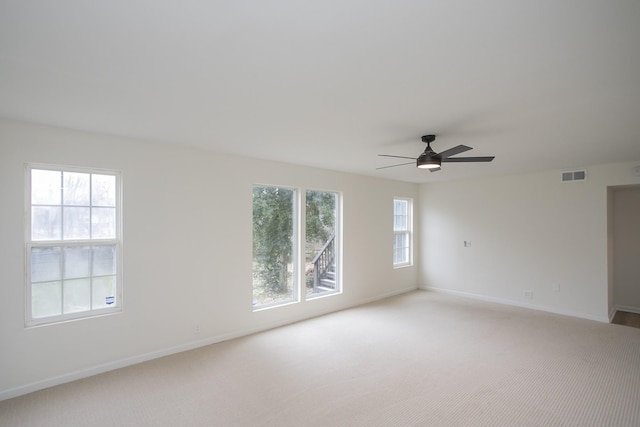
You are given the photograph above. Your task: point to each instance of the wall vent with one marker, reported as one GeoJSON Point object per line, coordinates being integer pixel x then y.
{"type": "Point", "coordinates": [580, 175]}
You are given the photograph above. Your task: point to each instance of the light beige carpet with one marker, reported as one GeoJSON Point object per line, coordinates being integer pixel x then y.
{"type": "Point", "coordinates": [419, 359]}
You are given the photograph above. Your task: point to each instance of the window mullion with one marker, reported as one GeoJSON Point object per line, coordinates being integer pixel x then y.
{"type": "Point", "coordinates": [90, 206]}
{"type": "Point", "coordinates": [301, 246]}
{"type": "Point", "coordinates": [91, 237]}
{"type": "Point", "coordinates": [91, 277]}
{"type": "Point", "coordinates": [45, 184]}
{"type": "Point", "coordinates": [62, 251]}
{"type": "Point", "coordinates": [62, 278]}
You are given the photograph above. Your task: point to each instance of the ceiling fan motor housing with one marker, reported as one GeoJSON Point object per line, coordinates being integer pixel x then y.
{"type": "Point", "coordinates": [428, 138]}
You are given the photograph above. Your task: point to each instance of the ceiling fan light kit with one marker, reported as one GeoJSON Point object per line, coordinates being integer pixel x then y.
{"type": "Point", "coordinates": [432, 161]}
{"type": "Point", "coordinates": [427, 162]}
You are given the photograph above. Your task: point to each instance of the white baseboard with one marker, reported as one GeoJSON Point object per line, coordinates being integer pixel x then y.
{"type": "Point", "coordinates": [386, 295]}
{"type": "Point", "coordinates": [128, 361]}
{"type": "Point", "coordinates": [109, 366]}
{"type": "Point", "coordinates": [612, 313]}
{"type": "Point", "coordinates": [603, 319]}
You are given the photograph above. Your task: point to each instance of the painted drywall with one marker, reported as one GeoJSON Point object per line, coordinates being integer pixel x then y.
{"type": "Point", "coordinates": [187, 252]}
{"type": "Point", "coordinates": [626, 249]}
{"type": "Point", "coordinates": [529, 234]}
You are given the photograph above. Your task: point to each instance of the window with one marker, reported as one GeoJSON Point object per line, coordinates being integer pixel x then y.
{"type": "Point", "coordinates": [321, 243]}
{"type": "Point", "coordinates": [402, 228]}
{"type": "Point", "coordinates": [281, 273]}
{"type": "Point", "coordinates": [73, 243]}
{"type": "Point", "coordinates": [274, 226]}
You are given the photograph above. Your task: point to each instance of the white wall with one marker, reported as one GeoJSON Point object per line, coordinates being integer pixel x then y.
{"type": "Point", "coordinates": [528, 233]}
{"type": "Point", "coordinates": [626, 249]}
{"type": "Point", "coordinates": [187, 252]}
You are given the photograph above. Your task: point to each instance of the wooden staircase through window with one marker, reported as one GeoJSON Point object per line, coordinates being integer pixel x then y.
{"type": "Point", "coordinates": [324, 268]}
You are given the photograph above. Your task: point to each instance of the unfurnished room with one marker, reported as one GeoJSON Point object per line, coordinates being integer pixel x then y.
{"type": "Point", "coordinates": [287, 213]}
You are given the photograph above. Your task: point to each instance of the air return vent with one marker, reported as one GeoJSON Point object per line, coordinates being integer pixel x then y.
{"type": "Point", "coordinates": [574, 176]}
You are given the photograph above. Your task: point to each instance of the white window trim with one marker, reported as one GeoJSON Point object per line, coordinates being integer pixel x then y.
{"type": "Point", "coordinates": [295, 250]}
{"type": "Point", "coordinates": [30, 243]}
{"type": "Point", "coordinates": [408, 232]}
{"type": "Point", "coordinates": [338, 244]}
{"type": "Point", "coordinates": [299, 217]}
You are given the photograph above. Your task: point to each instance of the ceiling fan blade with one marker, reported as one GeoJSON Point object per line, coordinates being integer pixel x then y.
{"type": "Point", "coordinates": [453, 151]}
{"type": "Point", "coordinates": [468, 159]}
{"type": "Point", "coordinates": [399, 157]}
{"type": "Point", "coordinates": [401, 164]}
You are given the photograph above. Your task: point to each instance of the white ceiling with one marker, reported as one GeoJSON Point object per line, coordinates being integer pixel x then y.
{"type": "Point", "coordinates": [540, 84]}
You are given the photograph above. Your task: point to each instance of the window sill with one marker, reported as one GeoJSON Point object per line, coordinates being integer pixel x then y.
{"type": "Point", "coordinates": [70, 318]}
{"type": "Point", "coordinates": [402, 265]}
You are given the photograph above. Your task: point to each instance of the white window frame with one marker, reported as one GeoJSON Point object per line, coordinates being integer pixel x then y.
{"type": "Point", "coordinates": [298, 242]}
{"type": "Point", "coordinates": [295, 250]}
{"type": "Point", "coordinates": [30, 244]}
{"type": "Point", "coordinates": [337, 244]}
{"type": "Point", "coordinates": [408, 232]}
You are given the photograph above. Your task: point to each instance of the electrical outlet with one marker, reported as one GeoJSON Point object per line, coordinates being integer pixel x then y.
{"type": "Point", "coordinates": [196, 329]}
{"type": "Point", "coordinates": [528, 294]}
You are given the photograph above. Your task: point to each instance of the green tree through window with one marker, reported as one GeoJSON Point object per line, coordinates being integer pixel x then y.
{"type": "Point", "coordinates": [320, 243]}
{"type": "Point", "coordinates": [273, 245]}
{"type": "Point", "coordinates": [275, 267]}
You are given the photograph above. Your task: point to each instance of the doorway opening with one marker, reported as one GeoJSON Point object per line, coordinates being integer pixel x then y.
{"type": "Point", "coordinates": [624, 254]}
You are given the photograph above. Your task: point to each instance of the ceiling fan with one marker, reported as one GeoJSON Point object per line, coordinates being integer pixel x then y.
{"type": "Point", "coordinates": [432, 161]}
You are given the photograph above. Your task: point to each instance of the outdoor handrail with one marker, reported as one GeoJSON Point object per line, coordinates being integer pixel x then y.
{"type": "Point", "coordinates": [323, 261]}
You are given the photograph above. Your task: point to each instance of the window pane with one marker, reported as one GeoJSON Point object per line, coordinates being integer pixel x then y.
{"type": "Point", "coordinates": [76, 188]}
{"type": "Point", "coordinates": [77, 295]}
{"type": "Point", "coordinates": [320, 243]}
{"type": "Point", "coordinates": [76, 223]}
{"type": "Point", "coordinates": [399, 222]}
{"type": "Point", "coordinates": [46, 223]}
{"type": "Point", "coordinates": [45, 187]}
{"type": "Point", "coordinates": [103, 190]}
{"type": "Point", "coordinates": [273, 232]}
{"type": "Point", "coordinates": [103, 223]}
{"type": "Point", "coordinates": [67, 276]}
{"type": "Point", "coordinates": [46, 299]}
{"type": "Point", "coordinates": [401, 248]}
{"type": "Point", "coordinates": [45, 264]}
{"type": "Point", "coordinates": [400, 215]}
{"type": "Point", "coordinates": [104, 292]}
{"type": "Point", "coordinates": [104, 260]}
{"type": "Point", "coordinates": [77, 262]}
{"type": "Point", "coordinates": [402, 228]}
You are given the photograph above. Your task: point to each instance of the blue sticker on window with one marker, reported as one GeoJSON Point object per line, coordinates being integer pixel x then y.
{"type": "Point", "coordinates": [110, 300]}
